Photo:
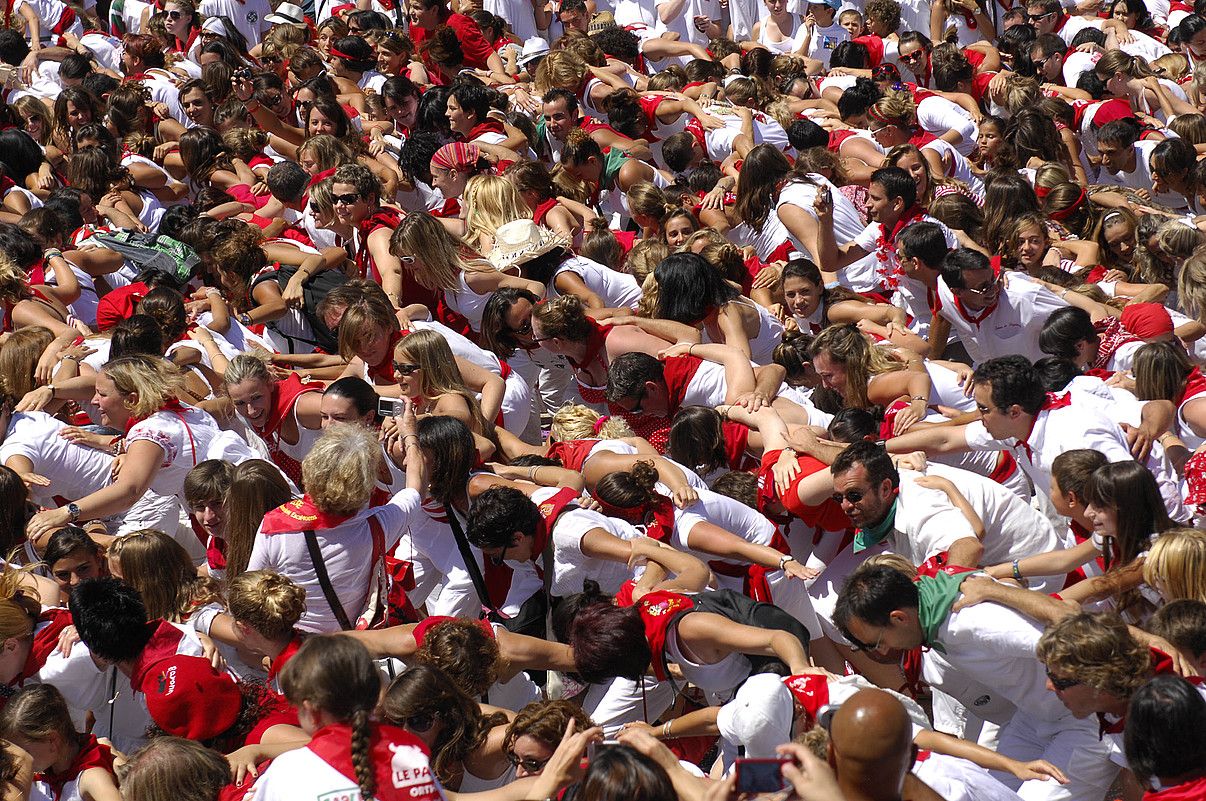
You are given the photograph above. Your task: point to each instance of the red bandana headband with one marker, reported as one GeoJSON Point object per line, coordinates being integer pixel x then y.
{"type": "Point", "coordinates": [459, 156]}
{"type": "Point", "coordinates": [877, 115]}
{"type": "Point", "coordinates": [1071, 209]}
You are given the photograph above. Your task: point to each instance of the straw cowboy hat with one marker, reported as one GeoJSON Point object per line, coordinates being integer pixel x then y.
{"type": "Point", "coordinates": [520, 241]}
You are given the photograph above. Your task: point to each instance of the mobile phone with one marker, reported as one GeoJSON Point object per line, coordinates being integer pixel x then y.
{"type": "Point", "coordinates": [759, 775]}
{"type": "Point", "coordinates": [594, 746]}
{"type": "Point", "coordinates": [390, 407]}
{"type": "Point", "coordinates": [825, 715]}
{"type": "Point", "coordinates": [827, 193]}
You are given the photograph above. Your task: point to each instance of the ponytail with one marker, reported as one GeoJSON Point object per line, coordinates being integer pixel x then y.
{"type": "Point", "coordinates": [362, 763]}
{"type": "Point", "coordinates": [626, 490]}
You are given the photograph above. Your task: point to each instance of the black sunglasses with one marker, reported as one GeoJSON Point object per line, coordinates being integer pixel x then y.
{"type": "Point", "coordinates": [1037, 17]}
{"type": "Point", "coordinates": [419, 723]}
{"type": "Point", "coordinates": [346, 200]}
{"type": "Point", "coordinates": [528, 764]}
{"type": "Point", "coordinates": [173, 14]}
{"type": "Point", "coordinates": [854, 496]}
{"type": "Point", "coordinates": [1061, 684]}
{"type": "Point", "coordinates": [524, 329]}
{"type": "Point", "coordinates": [404, 368]}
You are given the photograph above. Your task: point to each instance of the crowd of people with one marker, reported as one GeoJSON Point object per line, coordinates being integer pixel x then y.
{"type": "Point", "coordinates": [610, 400]}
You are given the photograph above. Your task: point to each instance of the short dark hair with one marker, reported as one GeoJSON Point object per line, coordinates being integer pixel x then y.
{"type": "Point", "coordinates": [287, 180]}
{"type": "Point", "coordinates": [1182, 623]}
{"type": "Point", "coordinates": [564, 95]}
{"type": "Point", "coordinates": [1011, 380]}
{"type": "Point", "coordinates": [75, 67]}
{"type": "Point", "coordinates": [925, 241]}
{"type": "Point", "coordinates": [851, 425]}
{"type": "Point", "coordinates": [874, 459]}
{"type": "Point", "coordinates": [677, 151]}
{"type": "Point", "coordinates": [499, 512]}
{"type": "Point", "coordinates": [13, 47]}
{"type": "Point", "coordinates": [1055, 373]}
{"type": "Point", "coordinates": [1087, 35]}
{"type": "Point", "coordinates": [1165, 729]}
{"type": "Point", "coordinates": [960, 261]}
{"type": "Point", "coordinates": [1124, 132]}
{"type": "Point", "coordinates": [803, 134]}
{"type": "Point", "coordinates": [897, 183]}
{"type": "Point", "coordinates": [110, 618]}
{"type": "Point", "coordinates": [1049, 43]}
{"type": "Point", "coordinates": [628, 373]}
{"type": "Point", "coordinates": [871, 594]}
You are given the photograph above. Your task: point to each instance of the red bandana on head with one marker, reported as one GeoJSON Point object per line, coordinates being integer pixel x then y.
{"type": "Point", "coordinates": [659, 512]}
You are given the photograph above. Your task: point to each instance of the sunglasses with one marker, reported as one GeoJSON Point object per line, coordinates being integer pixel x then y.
{"type": "Point", "coordinates": [524, 329]}
{"type": "Point", "coordinates": [988, 290]}
{"type": "Point", "coordinates": [527, 763]}
{"type": "Point", "coordinates": [911, 57]}
{"type": "Point", "coordinates": [419, 723]}
{"type": "Point", "coordinates": [173, 14]}
{"type": "Point", "coordinates": [854, 496]}
{"type": "Point", "coordinates": [345, 200]}
{"type": "Point", "coordinates": [403, 368]}
{"type": "Point", "coordinates": [1037, 17]}
{"type": "Point", "coordinates": [1061, 684]}
{"type": "Point", "coordinates": [862, 646]}
{"type": "Point", "coordinates": [272, 100]}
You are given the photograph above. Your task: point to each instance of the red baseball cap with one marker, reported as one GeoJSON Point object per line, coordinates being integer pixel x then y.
{"type": "Point", "coordinates": [188, 698]}
{"type": "Point", "coordinates": [119, 305]}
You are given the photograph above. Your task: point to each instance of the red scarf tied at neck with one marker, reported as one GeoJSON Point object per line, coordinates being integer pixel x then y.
{"type": "Point", "coordinates": [170, 405]}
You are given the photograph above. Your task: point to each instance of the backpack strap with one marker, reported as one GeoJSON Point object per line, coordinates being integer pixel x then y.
{"type": "Point", "coordinates": [475, 573]}
{"type": "Point", "coordinates": [324, 580]}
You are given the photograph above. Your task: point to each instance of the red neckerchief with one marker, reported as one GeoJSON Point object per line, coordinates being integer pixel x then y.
{"type": "Point", "coordinates": [385, 369]}
{"type": "Point", "coordinates": [299, 514]}
{"type": "Point", "coordinates": [482, 128]}
{"type": "Point", "coordinates": [573, 453]}
{"type": "Point", "coordinates": [1112, 336]}
{"type": "Point", "coordinates": [885, 246]}
{"type": "Point", "coordinates": [1195, 385]}
{"type": "Point", "coordinates": [811, 692]}
{"type": "Point", "coordinates": [658, 610]}
{"type": "Point", "coordinates": [754, 581]}
{"type": "Point", "coordinates": [1162, 665]}
{"type": "Point", "coordinates": [1063, 20]}
{"type": "Point", "coordinates": [910, 665]}
{"type": "Point", "coordinates": [318, 176]}
{"type": "Point", "coordinates": [1192, 790]}
{"type": "Point", "coordinates": [595, 341]}
{"type": "Point", "coordinates": [542, 209]}
{"type": "Point", "coordinates": [969, 18]}
{"type": "Point", "coordinates": [387, 744]}
{"type": "Point", "coordinates": [277, 664]}
{"type": "Point", "coordinates": [45, 641]}
{"type": "Point", "coordinates": [93, 754]}
{"type": "Point", "coordinates": [975, 318]}
{"type": "Point", "coordinates": [550, 510]}
{"type": "Point", "coordinates": [171, 405]}
{"type": "Point", "coordinates": [1052, 401]}
{"type": "Point", "coordinates": [381, 218]}
{"type": "Point", "coordinates": [284, 398]}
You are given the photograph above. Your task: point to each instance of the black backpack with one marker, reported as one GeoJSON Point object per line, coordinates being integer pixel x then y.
{"type": "Point", "coordinates": [313, 292]}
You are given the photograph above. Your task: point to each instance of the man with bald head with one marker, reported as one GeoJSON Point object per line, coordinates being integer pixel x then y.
{"type": "Point", "coordinates": [871, 747]}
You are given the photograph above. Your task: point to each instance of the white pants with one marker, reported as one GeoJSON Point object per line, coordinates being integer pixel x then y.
{"type": "Point", "coordinates": [1071, 745]}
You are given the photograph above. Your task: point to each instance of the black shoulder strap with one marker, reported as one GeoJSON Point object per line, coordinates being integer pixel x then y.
{"type": "Point", "coordinates": [324, 580]}
{"type": "Point", "coordinates": [475, 573]}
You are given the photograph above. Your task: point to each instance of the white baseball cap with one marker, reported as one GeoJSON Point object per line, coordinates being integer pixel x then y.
{"type": "Point", "coordinates": [759, 716]}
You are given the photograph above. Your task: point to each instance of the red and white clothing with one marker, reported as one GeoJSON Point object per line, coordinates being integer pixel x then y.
{"type": "Point", "coordinates": [1194, 392]}
{"type": "Point", "coordinates": [322, 771]}
{"type": "Point", "coordinates": [283, 406]}
{"type": "Point", "coordinates": [689, 382]}
{"type": "Point", "coordinates": [1141, 178]}
{"type": "Point", "coordinates": [937, 115]}
{"type": "Point", "coordinates": [775, 242]}
{"type": "Point", "coordinates": [54, 17]}
{"type": "Point", "coordinates": [247, 16]}
{"type": "Point", "coordinates": [74, 470]}
{"type": "Point", "coordinates": [880, 271]}
{"type": "Point", "coordinates": [65, 786]}
{"type": "Point", "coordinates": [349, 549]}
{"type": "Point", "coordinates": [683, 23]}
{"type": "Point", "coordinates": [1009, 326]}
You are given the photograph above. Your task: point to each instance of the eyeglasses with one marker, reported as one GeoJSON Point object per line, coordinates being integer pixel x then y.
{"type": "Point", "coordinates": [419, 723]}
{"type": "Point", "coordinates": [862, 646]}
{"type": "Point", "coordinates": [853, 496]}
{"type": "Point", "coordinates": [404, 368]}
{"type": "Point", "coordinates": [637, 408]}
{"type": "Point", "coordinates": [1061, 684]}
{"type": "Point", "coordinates": [986, 291]}
{"type": "Point", "coordinates": [345, 200]}
{"type": "Point", "coordinates": [527, 763]}
{"type": "Point", "coordinates": [524, 329]}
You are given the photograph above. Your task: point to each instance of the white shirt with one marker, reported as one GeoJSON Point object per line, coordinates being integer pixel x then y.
{"type": "Point", "coordinates": [1011, 328]}
{"type": "Point", "coordinates": [570, 565]}
{"type": "Point", "coordinates": [684, 23]}
{"type": "Point", "coordinates": [347, 551]}
{"type": "Point", "coordinates": [938, 115]}
{"type": "Point", "coordinates": [930, 523]}
{"type": "Point", "coordinates": [1141, 178]}
{"type": "Point", "coordinates": [767, 131]}
{"type": "Point", "coordinates": [247, 16]}
{"type": "Point", "coordinates": [617, 290]}
{"type": "Point", "coordinates": [824, 40]}
{"type": "Point", "coordinates": [75, 471]}
{"type": "Point", "coordinates": [184, 438]}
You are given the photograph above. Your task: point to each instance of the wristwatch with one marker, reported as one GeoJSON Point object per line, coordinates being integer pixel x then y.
{"type": "Point", "coordinates": [784, 559]}
{"type": "Point", "coordinates": [245, 318]}
{"type": "Point", "coordinates": [73, 512]}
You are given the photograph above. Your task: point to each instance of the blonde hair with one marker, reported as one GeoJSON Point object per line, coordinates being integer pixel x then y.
{"type": "Point", "coordinates": [578, 422]}
{"type": "Point", "coordinates": [1176, 564]}
{"type": "Point", "coordinates": [154, 381]}
{"type": "Point", "coordinates": [14, 285]}
{"type": "Point", "coordinates": [647, 254]}
{"type": "Point", "coordinates": [438, 262]}
{"type": "Point", "coordinates": [440, 374]}
{"type": "Point", "coordinates": [847, 346]}
{"type": "Point", "coordinates": [560, 69]}
{"type": "Point", "coordinates": [894, 561]}
{"type": "Point", "coordinates": [897, 106]}
{"type": "Point", "coordinates": [1051, 174]}
{"type": "Point", "coordinates": [491, 201]}
{"type": "Point", "coordinates": [1191, 283]}
{"type": "Point", "coordinates": [18, 609]}
{"type": "Point", "coordinates": [245, 143]}
{"type": "Point", "coordinates": [35, 108]}
{"type": "Point", "coordinates": [648, 200]}
{"type": "Point", "coordinates": [647, 305]}
{"type": "Point", "coordinates": [163, 573]}
{"type": "Point", "coordinates": [267, 602]}
{"type": "Point", "coordinates": [246, 366]}
{"type": "Point", "coordinates": [341, 469]}
{"type": "Point", "coordinates": [1172, 66]}
{"type": "Point", "coordinates": [171, 768]}
{"type": "Point", "coordinates": [327, 152]}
